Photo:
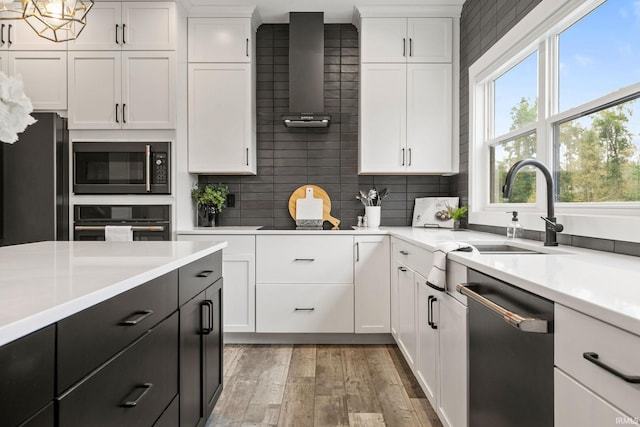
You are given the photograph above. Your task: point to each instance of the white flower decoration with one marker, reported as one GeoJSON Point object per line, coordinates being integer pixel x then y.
{"type": "Point", "coordinates": [15, 108]}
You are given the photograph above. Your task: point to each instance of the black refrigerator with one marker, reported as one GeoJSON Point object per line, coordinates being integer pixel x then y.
{"type": "Point", "coordinates": [34, 183]}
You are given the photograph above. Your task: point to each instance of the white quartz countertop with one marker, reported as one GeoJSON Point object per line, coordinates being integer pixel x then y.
{"type": "Point", "coordinates": [253, 230]}
{"type": "Point", "coordinates": [41, 283]}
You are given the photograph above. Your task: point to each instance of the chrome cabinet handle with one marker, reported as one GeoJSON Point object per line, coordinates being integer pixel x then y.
{"type": "Point", "coordinates": [524, 324]}
{"type": "Point", "coordinates": [141, 315]}
{"type": "Point", "coordinates": [133, 403]}
{"type": "Point", "coordinates": [404, 252]}
{"type": "Point", "coordinates": [147, 164]}
{"type": "Point", "coordinates": [593, 358]}
{"type": "Point", "coordinates": [305, 259]}
{"type": "Point", "coordinates": [304, 309]}
{"type": "Point", "coordinates": [117, 29]}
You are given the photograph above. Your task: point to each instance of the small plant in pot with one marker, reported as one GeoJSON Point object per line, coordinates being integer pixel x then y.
{"type": "Point", "coordinates": [457, 214]}
{"type": "Point", "coordinates": [210, 200]}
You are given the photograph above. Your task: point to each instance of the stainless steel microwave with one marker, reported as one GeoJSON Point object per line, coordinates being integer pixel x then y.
{"type": "Point", "coordinates": [121, 168]}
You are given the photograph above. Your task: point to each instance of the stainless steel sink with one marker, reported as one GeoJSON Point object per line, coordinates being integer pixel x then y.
{"type": "Point", "coordinates": [505, 249]}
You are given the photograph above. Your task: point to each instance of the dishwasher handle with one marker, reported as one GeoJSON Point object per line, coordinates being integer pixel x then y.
{"type": "Point", "coordinates": [524, 324]}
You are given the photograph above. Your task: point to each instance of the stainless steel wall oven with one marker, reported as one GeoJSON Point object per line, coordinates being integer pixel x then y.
{"type": "Point", "coordinates": [148, 222]}
{"type": "Point", "coordinates": [121, 168]}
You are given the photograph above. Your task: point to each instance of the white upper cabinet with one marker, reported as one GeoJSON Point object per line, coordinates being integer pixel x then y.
{"type": "Point", "coordinates": [18, 35]}
{"type": "Point", "coordinates": [408, 90]}
{"type": "Point", "coordinates": [43, 74]}
{"type": "Point", "coordinates": [128, 90]}
{"type": "Point", "coordinates": [129, 26]}
{"type": "Point", "coordinates": [219, 40]}
{"type": "Point", "coordinates": [406, 39]}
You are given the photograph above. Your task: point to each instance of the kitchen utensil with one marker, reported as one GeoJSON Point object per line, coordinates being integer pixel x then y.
{"type": "Point", "coordinates": [318, 192]}
{"type": "Point", "coordinates": [309, 208]}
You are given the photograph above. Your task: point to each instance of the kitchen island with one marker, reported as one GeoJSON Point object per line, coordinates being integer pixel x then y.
{"type": "Point", "coordinates": [110, 333]}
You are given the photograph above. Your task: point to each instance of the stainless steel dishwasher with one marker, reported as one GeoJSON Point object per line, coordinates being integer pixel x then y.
{"type": "Point", "coordinates": [510, 354]}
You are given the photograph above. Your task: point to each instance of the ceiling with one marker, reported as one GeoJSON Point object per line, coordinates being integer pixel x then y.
{"type": "Point", "coordinates": [335, 11]}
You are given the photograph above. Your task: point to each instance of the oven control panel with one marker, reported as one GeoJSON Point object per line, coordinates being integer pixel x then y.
{"type": "Point", "coordinates": [160, 168]}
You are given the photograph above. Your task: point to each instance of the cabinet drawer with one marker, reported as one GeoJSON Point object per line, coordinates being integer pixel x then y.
{"type": "Point", "coordinates": [26, 376]}
{"type": "Point", "coordinates": [132, 389]}
{"type": "Point", "coordinates": [577, 406]}
{"type": "Point", "coordinates": [577, 334]}
{"type": "Point", "coordinates": [304, 308]}
{"type": "Point", "coordinates": [87, 339]}
{"type": "Point", "coordinates": [414, 257]}
{"type": "Point", "coordinates": [304, 259]}
{"type": "Point", "coordinates": [195, 277]}
{"type": "Point", "coordinates": [171, 416]}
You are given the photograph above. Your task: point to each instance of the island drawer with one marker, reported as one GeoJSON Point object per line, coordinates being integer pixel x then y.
{"type": "Point", "coordinates": [27, 367]}
{"type": "Point", "coordinates": [195, 277]}
{"type": "Point", "coordinates": [414, 257]}
{"type": "Point", "coordinates": [88, 338]}
{"type": "Point", "coordinates": [304, 308]}
{"type": "Point", "coordinates": [578, 335]}
{"type": "Point", "coordinates": [304, 259]}
{"type": "Point", "coordinates": [132, 389]}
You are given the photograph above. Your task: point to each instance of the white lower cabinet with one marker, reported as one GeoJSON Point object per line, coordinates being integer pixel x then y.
{"type": "Point", "coordinates": [372, 284]}
{"type": "Point", "coordinates": [406, 338]}
{"type": "Point", "coordinates": [596, 364]}
{"type": "Point", "coordinates": [239, 272]}
{"type": "Point", "coordinates": [427, 328]}
{"type": "Point", "coordinates": [304, 308]}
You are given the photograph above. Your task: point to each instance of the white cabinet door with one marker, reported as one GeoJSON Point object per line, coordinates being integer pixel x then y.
{"type": "Point", "coordinates": [383, 118]}
{"type": "Point", "coordinates": [94, 90]}
{"type": "Point", "coordinates": [44, 74]}
{"type": "Point", "coordinates": [221, 119]}
{"type": "Point", "coordinates": [430, 39]}
{"type": "Point", "coordinates": [103, 30]}
{"type": "Point", "coordinates": [575, 405]}
{"type": "Point", "coordinates": [406, 313]}
{"type": "Point", "coordinates": [372, 292]}
{"type": "Point", "coordinates": [219, 40]}
{"type": "Point", "coordinates": [148, 90]}
{"type": "Point", "coordinates": [383, 40]}
{"type": "Point", "coordinates": [453, 348]}
{"type": "Point", "coordinates": [148, 26]}
{"type": "Point", "coordinates": [129, 26]}
{"type": "Point", "coordinates": [18, 35]}
{"type": "Point", "coordinates": [427, 324]}
{"type": "Point", "coordinates": [395, 314]}
{"type": "Point", "coordinates": [239, 292]}
{"type": "Point", "coordinates": [429, 118]}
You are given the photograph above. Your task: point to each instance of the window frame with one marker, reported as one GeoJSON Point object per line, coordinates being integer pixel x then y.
{"type": "Point", "coordinates": [538, 30]}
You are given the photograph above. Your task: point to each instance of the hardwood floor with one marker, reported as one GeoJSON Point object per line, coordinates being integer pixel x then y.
{"type": "Point", "coordinates": [320, 385]}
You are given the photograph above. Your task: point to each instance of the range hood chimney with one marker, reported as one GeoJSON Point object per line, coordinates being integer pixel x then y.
{"type": "Point", "coordinates": [306, 71]}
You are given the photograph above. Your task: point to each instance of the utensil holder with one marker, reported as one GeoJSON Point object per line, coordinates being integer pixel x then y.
{"type": "Point", "coordinates": [373, 215]}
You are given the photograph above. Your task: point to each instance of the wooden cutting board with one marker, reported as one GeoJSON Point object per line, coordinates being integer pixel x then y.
{"type": "Point", "coordinates": [319, 193]}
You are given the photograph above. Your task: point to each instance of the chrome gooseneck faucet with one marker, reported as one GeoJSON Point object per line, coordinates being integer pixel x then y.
{"type": "Point", "coordinates": [551, 226]}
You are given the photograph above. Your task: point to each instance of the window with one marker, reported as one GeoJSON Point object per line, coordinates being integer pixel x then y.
{"type": "Point", "coordinates": [563, 86]}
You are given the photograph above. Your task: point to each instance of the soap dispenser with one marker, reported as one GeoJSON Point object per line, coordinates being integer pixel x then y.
{"type": "Point", "coordinates": [514, 229]}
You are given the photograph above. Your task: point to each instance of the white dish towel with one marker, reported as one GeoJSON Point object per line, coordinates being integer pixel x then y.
{"type": "Point", "coordinates": [438, 275]}
{"type": "Point", "coordinates": [118, 233]}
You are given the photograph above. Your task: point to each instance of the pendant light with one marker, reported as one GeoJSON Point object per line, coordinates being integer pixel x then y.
{"type": "Point", "coordinates": [57, 20]}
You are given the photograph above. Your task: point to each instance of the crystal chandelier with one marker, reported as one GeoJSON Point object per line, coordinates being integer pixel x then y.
{"type": "Point", "coordinates": [55, 20]}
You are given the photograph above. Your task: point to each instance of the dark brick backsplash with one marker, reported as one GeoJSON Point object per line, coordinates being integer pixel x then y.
{"type": "Point", "coordinates": [289, 158]}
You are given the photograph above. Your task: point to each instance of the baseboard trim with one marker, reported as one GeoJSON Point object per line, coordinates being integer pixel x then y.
{"type": "Point", "coordinates": [262, 338]}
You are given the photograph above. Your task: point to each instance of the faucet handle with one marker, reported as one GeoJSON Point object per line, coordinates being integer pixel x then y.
{"type": "Point", "coordinates": [553, 225]}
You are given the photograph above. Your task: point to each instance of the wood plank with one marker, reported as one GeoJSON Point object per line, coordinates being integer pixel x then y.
{"type": "Point", "coordinates": [330, 411]}
{"type": "Point", "coordinates": [233, 402]}
{"type": "Point", "coordinates": [298, 402]}
{"type": "Point", "coordinates": [329, 371]}
{"type": "Point", "coordinates": [366, 420]}
{"type": "Point", "coordinates": [303, 361]}
{"type": "Point", "coordinates": [404, 371]}
{"type": "Point", "coordinates": [361, 396]}
{"type": "Point", "coordinates": [232, 354]}
{"type": "Point", "coordinates": [273, 376]}
{"type": "Point", "coordinates": [425, 413]}
{"type": "Point", "coordinates": [378, 355]}
{"type": "Point", "coordinates": [261, 415]}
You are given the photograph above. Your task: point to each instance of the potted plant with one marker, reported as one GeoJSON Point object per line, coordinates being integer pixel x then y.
{"type": "Point", "coordinates": [457, 214]}
{"type": "Point", "coordinates": [210, 200]}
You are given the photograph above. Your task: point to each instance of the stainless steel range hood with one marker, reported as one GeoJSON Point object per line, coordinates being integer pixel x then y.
{"type": "Point", "coordinates": [306, 71]}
